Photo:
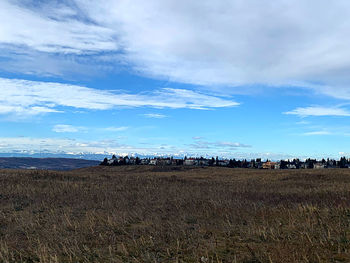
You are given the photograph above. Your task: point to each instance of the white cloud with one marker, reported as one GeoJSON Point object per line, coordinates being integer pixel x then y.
{"type": "Point", "coordinates": [302, 123]}
{"type": "Point", "coordinates": [154, 115]}
{"type": "Point", "coordinates": [18, 109]}
{"type": "Point", "coordinates": [231, 43]}
{"type": "Point", "coordinates": [218, 146]}
{"type": "Point", "coordinates": [32, 145]}
{"type": "Point", "coordinates": [318, 111]}
{"type": "Point", "coordinates": [231, 144]}
{"type": "Point", "coordinates": [53, 28]}
{"type": "Point", "coordinates": [317, 133]}
{"type": "Point", "coordinates": [116, 129]}
{"type": "Point", "coordinates": [34, 97]}
{"type": "Point", "coordinates": [63, 128]}
{"type": "Point", "coordinates": [57, 145]}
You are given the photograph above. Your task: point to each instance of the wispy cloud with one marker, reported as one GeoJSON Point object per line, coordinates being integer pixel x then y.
{"type": "Point", "coordinates": [31, 145]}
{"type": "Point", "coordinates": [302, 122]}
{"type": "Point", "coordinates": [231, 145]}
{"type": "Point", "coordinates": [219, 145]}
{"type": "Point", "coordinates": [58, 145]}
{"type": "Point", "coordinates": [154, 115]}
{"type": "Point", "coordinates": [317, 133]}
{"type": "Point", "coordinates": [318, 111]}
{"type": "Point", "coordinates": [52, 28]}
{"type": "Point", "coordinates": [64, 128]}
{"type": "Point", "coordinates": [35, 97]}
{"type": "Point", "coordinates": [9, 108]}
{"type": "Point", "coordinates": [116, 129]}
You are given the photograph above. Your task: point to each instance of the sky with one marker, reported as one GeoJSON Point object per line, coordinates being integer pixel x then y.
{"type": "Point", "coordinates": [234, 79]}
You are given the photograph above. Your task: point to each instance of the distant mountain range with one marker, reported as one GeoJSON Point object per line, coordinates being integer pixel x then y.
{"type": "Point", "coordinates": [97, 156]}
{"type": "Point", "coordinates": [85, 156]}
{"type": "Point", "coordinates": [45, 163]}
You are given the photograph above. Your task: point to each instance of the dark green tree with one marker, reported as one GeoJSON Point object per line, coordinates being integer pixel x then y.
{"type": "Point", "coordinates": [137, 161]}
{"type": "Point", "coordinates": [105, 162]}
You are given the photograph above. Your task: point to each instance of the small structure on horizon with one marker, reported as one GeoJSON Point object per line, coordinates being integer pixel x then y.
{"type": "Point", "coordinates": [268, 165]}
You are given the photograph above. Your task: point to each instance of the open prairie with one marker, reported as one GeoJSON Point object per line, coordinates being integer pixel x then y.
{"type": "Point", "coordinates": [175, 214]}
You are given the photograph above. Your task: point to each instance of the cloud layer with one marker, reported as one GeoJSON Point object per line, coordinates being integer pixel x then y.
{"type": "Point", "coordinates": [63, 128]}
{"type": "Point", "coordinates": [200, 144]}
{"type": "Point", "coordinates": [33, 97]}
{"type": "Point", "coordinates": [52, 28]}
{"type": "Point", "coordinates": [318, 111]}
{"type": "Point", "coordinates": [230, 43]}
{"type": "Point", "coordinates": [59, 145]}
{"type": "Point", "coordinates": [32, 145]}
{"type": "Point", "coordinates": [317, 133]}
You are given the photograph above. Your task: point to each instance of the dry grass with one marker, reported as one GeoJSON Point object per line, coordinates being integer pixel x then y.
{"type": "Point", "coordinates": [174, 214]}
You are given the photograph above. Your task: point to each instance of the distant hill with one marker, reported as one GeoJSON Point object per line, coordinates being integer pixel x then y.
{"type": "Point", "coordinates": [45, 163]}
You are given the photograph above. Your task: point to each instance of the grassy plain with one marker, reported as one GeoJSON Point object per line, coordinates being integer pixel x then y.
{"type": "Point", "coordinates": [174, 214]}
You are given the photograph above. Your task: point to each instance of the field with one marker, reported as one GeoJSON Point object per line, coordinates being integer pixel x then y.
{"type": "Point", "coordinates": [174, 214]}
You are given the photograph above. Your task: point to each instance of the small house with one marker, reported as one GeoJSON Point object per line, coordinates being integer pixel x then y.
{"type": "Point", "coordinates": [144, 161]}
{"type": "Point", "coordinates": [153, 162]}
{"type": "Point", "coordinates": [190, 162]}
{"type": "Point", "coordinates": [291, 166]}
{"type": "Point", "coordinates": [319, 166]}
{"type": "Point", "coordinates": [268, 165]}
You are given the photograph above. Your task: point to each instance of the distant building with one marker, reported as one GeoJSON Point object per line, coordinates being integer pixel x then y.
{"type": "Point", "coordinates": [164, 161]}
{"type": "Point", "coordinates": [223, 162]}
{"type": "Point", "coordinates": [144, 161]}
{"type": "Point", "coordinates": [190, 162]}
{"type": "Point", "coordinates": [254, 164]}
{"type": "Point", "coordinates": [303, 166]}
{"type": "Point", "coordinates": [269, 165]}
{"type": "Point", "coordinates": [291, 166]}
{"type": "Point", "coordinates": [153, 162]}
{"type": "Point", "coordinates": [319, 166]}
{"type": "Point", "coordinates": [111, 161]}
{"type": "Point", "coordinates": [203, 162]}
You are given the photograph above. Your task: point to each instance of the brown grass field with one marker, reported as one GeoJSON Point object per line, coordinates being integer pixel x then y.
{"type": "Point", "coordinates": [175, 214]}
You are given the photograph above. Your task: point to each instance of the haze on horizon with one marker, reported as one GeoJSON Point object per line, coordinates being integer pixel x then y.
{"type": "Point", "coordinates": [243, 79]}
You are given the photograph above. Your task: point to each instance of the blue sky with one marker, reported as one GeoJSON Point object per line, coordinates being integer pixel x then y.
{"type": "Point", "coordinates": [238, 79]}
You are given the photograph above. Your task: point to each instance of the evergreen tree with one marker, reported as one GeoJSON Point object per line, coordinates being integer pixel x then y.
{"type": "Point", "coordinates": [342, 162]}
{"type": "Point", "coordinates": [105, 162]}
{"type": "Point", "coordinates": [211, 161]}
{"type": "Point", "coordinates": [283, 164]}
{"type": "Point", "coordinates": [137, 161]}
{"type": "Point", "coordinates": [231, 163]}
